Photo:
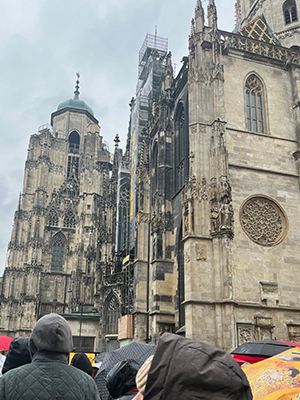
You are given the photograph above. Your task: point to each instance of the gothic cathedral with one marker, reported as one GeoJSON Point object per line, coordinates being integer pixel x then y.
{"type": "Point", "coordinates": [193, 228]}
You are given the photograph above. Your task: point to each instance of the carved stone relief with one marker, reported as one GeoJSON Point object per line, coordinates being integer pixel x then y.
{"type": "Point", "coordinates": [294, 333]}
{"type": "Point", "coordinates": [166, 328]}
{"type": "Point", "coordinates": [221, 210]}
{"type": "Point", "coordinates": [245, 333]}
{"type": "Point", "coordinates": [201, 252]}
{"type": "Point", "coordinates": [263, 220]}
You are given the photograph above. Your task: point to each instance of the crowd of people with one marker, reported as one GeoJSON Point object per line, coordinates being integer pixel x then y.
{"type": "Point", "coordinates": [38, 368]}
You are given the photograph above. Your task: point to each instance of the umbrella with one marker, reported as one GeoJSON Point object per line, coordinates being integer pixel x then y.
{"type": "Point", "coordinates": [100, 357]}
{"type": "Point", "coordinates": [133, 351]}
{"type": "Point", "coordinates": [276, 378]}
{"type": "Point", "coordinates": [253, 352]}
{"type": "Point", "coordinates": [5, 342]}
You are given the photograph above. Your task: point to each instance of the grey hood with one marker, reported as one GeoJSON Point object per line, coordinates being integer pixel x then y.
{"type": "Point", "coordinates": [51, 333]}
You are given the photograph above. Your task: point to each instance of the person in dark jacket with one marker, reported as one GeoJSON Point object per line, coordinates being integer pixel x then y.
{"type": "Point", "coordinates": [81, 361]}
{"type": "Point", "coordinates": [48, 376]}
{"type": "Point", "coordinates": [186, 369]}
{"type": "Point", "coordinates": [18, 354]}
{"type": "Point", "coordinates": [121, 380]}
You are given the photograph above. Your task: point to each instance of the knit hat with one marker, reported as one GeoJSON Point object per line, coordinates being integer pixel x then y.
{"type": "Point", "coordinates": [51, 333]}
{"type": "Point", "coordinates": [81, 361]}
{"type": "Point", "coordinates": [142, 375]}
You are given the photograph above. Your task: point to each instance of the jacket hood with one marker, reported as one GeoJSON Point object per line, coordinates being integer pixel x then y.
{"type": "Point", "coordinates": [121, 378]}
{"type": "Point", "coordinates": [51, 333]}
{"type": "Point", "coordinates": [81, 361]}
{"type": "Point", "coordinates": [194, 370]}
{"type": "Point", "coordinates": [18, 354]}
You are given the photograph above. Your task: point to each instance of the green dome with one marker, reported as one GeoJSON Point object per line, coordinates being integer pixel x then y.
{"type": "Point", "coordinates": [75, 103]}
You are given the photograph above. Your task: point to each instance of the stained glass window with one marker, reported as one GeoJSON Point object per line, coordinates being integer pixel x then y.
{"type": "Point", "coordinates": [113, 314]}
{"type": "Point", "coordinates": [254, 105]}
{"type": "Point", "coordinates": [58, 252]}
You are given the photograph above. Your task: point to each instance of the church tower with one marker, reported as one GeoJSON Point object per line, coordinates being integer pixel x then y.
{"type": "Point", "coordinates": [222, 190]}
{"type": "Point", "coordinates": [281, 16]}
{"type": "Point", "coordinates": [61, 241]}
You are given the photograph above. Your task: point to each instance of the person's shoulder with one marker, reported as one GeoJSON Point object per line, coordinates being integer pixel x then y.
{"type": "Point", "coordinates": [16, 376]}
{"type": "Point", "coordinates": [19, 371]}
{"type": "Point", "coordinates": [76, 372]}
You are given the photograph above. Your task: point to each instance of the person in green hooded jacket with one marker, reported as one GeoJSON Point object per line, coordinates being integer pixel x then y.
{"type": "Point", "coordinates": [48, 376]}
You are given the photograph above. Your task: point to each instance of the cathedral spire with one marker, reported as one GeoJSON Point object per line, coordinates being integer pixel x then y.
{"type": "Point", "coordinates": [77, 93]}
{"type": "Point", "coordinates": [199, 17]}
{"type": "Point", "coordinates": [212, 14]}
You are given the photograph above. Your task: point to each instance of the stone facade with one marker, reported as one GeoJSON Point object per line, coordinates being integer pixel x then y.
{"type": "Point", "coordinates": [194, 228]}
{"type": "Point", "coordinates": [62, 240]}
{"type": "Point", "coordinates": [224, 187]}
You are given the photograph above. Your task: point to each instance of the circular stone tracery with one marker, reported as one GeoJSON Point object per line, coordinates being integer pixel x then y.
{"type": "Point", "coordinates": [263, 220]}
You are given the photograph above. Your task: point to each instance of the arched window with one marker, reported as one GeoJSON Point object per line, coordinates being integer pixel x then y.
{"type": "Point", "coordinates": [181, 147]}
{"type": "Point", "coordinates": [52, 218]}
{"type": "Point", "coordinates": [290, 11]}
{"type": "Point", "coordinates": [58, 252]}
{"type": "Point", "coordinates": [112, 315]}
{"type": "Point", "coordinates": [69, 219]}
{"type": "Point", "coordinates": [74, 142]}
{"type": "Point", "coordinates": [254, 104]}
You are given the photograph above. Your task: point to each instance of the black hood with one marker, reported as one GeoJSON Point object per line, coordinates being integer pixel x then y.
{"type": "Point", "coordinates": [81, 361]}
{"type": "Point", "coordinates": [18, 354]}
{"type": "Point", "coordinates": [121, 378]}
{"type": "Point", "coordinates": [194, 370]}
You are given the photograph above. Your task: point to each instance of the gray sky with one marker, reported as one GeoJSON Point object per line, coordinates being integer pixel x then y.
{"type": "Point", "coordinates": [45, 42]}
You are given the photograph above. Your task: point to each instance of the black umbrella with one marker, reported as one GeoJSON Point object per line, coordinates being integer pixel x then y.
{"type": "Point", "coordinates": [100, 357]}
{"type": "Point", "coordinates": [134, 351]}
{"type": "Point", "coordinates": [267, 348]}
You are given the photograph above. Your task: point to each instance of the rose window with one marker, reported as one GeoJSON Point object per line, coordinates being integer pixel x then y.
{"type": "Point", "coordinates": [263, 220]}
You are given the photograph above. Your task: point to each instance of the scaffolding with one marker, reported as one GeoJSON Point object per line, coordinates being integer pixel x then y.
{"type": "Point", "coordinates": [151, 43]}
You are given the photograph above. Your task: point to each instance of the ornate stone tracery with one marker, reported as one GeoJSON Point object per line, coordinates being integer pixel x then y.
{"type": "Point", "coordinates": [263, 220]}
{"type": "Point", "coordinates": [241, 43]}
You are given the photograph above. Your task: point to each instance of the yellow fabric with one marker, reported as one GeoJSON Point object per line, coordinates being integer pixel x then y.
{"type": "Point", "coordinates": [277, 378]}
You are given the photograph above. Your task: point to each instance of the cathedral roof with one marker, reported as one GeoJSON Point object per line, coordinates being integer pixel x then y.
{"type": "Point", "coordinates": [76, 102]}
{"type": "Point", "coordinates": [258, 29]}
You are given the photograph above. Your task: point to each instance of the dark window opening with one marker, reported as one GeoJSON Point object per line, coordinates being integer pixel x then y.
{"type": "Point", "coordinates": [113, 314]}
{"type": "Point", "coordinates": [87, 344]}
{"type": "Point", "coordinates": [74, 142]}
{"type": "Point", "coordinates": [254, 105]}
{"type": "Point", "coordinates": [290, 11]}
{"type": "Point", "coordinates": [58, 252]}
{"type": "Point", "coordinates": [181, 148]}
